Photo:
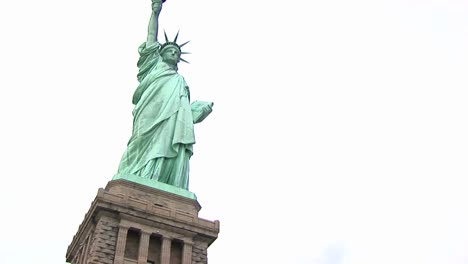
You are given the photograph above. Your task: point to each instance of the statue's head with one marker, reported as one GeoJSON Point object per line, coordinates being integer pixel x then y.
{"type": "Point", "coordinates": [171, 52]}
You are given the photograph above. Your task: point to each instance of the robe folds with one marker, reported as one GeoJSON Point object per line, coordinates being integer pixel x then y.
{"type": "Point", "coordinates": [163, 135]}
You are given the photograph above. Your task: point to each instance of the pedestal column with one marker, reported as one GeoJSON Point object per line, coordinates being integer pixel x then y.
{"type": "Point", "coordinates": [187, 253]}
{"type": "Point", "coordinates": [143, 249]}
{"type": "Point", "coordinates": [166, 250]}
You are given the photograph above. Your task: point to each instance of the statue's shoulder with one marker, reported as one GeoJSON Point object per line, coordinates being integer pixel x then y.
{"type": "Point", "coordinates": [146, 49]}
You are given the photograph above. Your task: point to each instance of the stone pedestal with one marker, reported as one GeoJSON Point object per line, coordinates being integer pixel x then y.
{"type": "Point", "coordinates": [132, 223]}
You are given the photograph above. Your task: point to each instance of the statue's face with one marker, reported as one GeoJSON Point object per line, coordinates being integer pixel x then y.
{"type": "Point", "coordinates": [171, 55]}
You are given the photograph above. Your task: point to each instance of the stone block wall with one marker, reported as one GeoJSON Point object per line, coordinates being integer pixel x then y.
{"type": "Point", "coordinates": [102, 247]}
{"type": "Point", "coordinates": [199, 253]}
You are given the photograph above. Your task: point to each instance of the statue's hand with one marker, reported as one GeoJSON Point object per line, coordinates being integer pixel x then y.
{"type": "Point", "coordinates": [156, 5]}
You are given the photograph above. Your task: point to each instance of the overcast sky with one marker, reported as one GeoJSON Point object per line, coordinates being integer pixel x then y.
{"type": "Point", "coordinates": [339, 131]}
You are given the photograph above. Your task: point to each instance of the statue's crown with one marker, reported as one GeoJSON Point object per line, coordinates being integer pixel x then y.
{"type": "Point", "coordinates": [174, 44]}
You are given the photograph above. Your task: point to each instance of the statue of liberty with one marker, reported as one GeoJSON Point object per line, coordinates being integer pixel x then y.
{"type": "Point", "coordinates": [163, 118]}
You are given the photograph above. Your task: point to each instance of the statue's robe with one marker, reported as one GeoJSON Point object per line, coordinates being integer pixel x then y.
{"type": "Point", "coordinates": [163, 135]}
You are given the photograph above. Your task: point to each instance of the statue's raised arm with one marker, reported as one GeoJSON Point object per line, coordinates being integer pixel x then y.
{"type": "Point", "coordinates": [156, 6]}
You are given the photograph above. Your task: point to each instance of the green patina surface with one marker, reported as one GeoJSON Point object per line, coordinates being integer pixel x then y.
{"type": "Point", "coordinates": [161, 144]}
{"type": "Point", "coordinates": [156, 185]}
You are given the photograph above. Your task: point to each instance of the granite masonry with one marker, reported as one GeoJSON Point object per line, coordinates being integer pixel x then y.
{"type": "Point", "coordinates": [130, 223]}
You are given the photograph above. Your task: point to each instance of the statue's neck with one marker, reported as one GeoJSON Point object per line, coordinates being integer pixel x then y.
{"type": "Point", "coordinates": [171, 66]}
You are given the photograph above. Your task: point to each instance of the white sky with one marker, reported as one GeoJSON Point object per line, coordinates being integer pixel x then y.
{"type": "Point", "coordinates": [339, 131]}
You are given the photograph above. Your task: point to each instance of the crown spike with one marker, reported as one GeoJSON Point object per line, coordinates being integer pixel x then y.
{"type": "Point", "coordinates": [165, 36]}
{"type": "Point", "coordinates": [175, 39]}
{"type": "Point", "coordinates": [181, 45]}
{"type": "Point", "coordinates": [184, 60]}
